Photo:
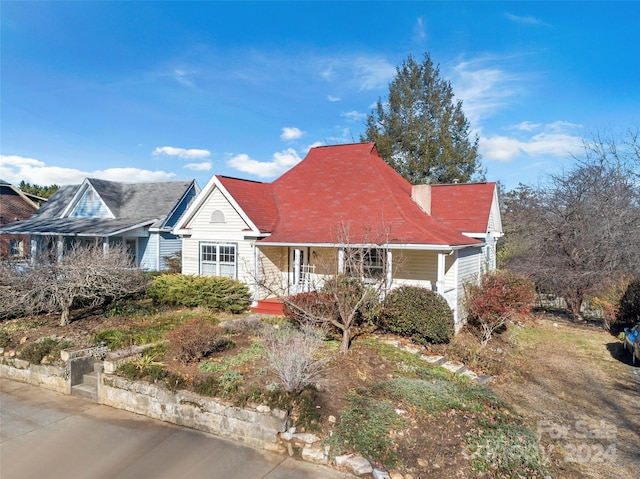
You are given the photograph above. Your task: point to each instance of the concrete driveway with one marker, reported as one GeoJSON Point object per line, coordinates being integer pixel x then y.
{"type": "Point", "coordinates": [44, 434]}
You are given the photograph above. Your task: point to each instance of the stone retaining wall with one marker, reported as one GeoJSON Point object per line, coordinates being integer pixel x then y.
{"type": "Point", "coordinates": [50, 377]}
{"type": "Point", "coordinates": [258, 428]}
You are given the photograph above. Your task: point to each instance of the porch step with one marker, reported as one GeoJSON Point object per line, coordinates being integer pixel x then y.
{"type": "Point", "coordinates": [271, 306]}
{"type": "Point", "coordinates": [90, 379]}
{"type": "Point", "coordinates": [85, 391]}
{"type": "Point", "coordinates": [88, 389]}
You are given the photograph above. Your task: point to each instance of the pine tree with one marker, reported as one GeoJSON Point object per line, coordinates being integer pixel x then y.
{"type": "Point", "coordinates": [421, 131]}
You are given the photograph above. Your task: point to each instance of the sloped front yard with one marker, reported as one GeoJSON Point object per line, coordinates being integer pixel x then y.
{"type": "Point", "coordinates": [399, 410]}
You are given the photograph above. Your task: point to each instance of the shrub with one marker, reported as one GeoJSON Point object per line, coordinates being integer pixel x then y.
{"type": "Point", "coordinates": [111, 338]}
{"type": "Point", "coordinates": [230, 381]}
{"type": "Point", "coordinates": [208, 386]}
{"type": "Point", "coordinates": [291, 354]}
{"type": "Point", "coordinates": [5, 339]}
{"type": "Point", "coordinates": [418, 313]}
{"type": "Point", "coordinates": [195, 339]}
{"type": "Point", "coordinates": [496, 299]}
{"type": "Point", "coordinates": [36, 351]}
{"type": "Point", "coordinates": [217, 293]}
{"type": "Point", "coordinates": [302, 308]}
{"type": "Point", "coordinates": [630, 302]}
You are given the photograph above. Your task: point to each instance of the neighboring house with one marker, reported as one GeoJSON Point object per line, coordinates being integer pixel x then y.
{"type": "Point", "coordinates": [138, 215]}
{"type": "Point", "coordinates": [336, 198]}
{"type": "Point", "coordinates": [15, 205]}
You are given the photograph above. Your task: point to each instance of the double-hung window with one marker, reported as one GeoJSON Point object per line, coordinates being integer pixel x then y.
{"type": "Point", "coordinates": [366, 263]}
{"type": "Point", "coordinates": [218, 259]}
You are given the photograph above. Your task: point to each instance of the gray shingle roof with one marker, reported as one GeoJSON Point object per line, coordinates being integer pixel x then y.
{"type": "Point", "coordinates": [133, 204]}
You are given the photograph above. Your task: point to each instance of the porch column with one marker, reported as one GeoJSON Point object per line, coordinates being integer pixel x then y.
{"type": "Point", "coordinates": [59, 247]}
{"type": "Point", "coordinates": [389, 269]}
{"type": "Point", "coordinates": [440, 275]}
{"type": "Point", "coordinates": [105, 247]}
{"type": "Point", "coordinates": [341, 260]}
{"type": "Point", "coordinates": [33, 245]}
{"type": "Point", "coordinates": [296, 266]}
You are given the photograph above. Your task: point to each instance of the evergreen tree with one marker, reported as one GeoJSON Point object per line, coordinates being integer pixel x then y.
{"type": "Point", "coordinates": [421, 131]}
{"type": "Point", "coordinates": [37, 190]}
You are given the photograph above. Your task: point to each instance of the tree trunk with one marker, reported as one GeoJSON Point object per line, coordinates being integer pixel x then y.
{"type": "Point", "coordinates": [575, 305]}
{"type": "Point", "coordinates": [346, 340]}
{"type": "Point", "coordinates": [64, 317]}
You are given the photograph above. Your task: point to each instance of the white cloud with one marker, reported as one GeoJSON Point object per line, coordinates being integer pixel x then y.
{"type": "Point", "coordinates": [190, 154]}
{"type": "Point", "coordinates": [527, 20]}
{"type": "Point", "coordinates": [204, 166]}
{"type": "Point", "coordinates": [291, 133]}
{"type": "Point", "coordinates": [353, 115]}
{"type": "Point", "coordinates": [372, 72]}
{"type": "Point", "coordinates": [328, 73]}
{"type": "Point", "coordinates": [526, 126]}
{"type": "Point", "coordinates": [555, 139]}
{"type": "Point", "coordinates": [183, 77]}
{"type": "Point", "coordinates": [15, 168]}
{"type": "Point", "coordinates": [419, 31]}
{"type": "Point", "coordinates": [333, 99]}
{"type": "Point", "coordinates": [282, 161]}
{"type": "Point", "coordinates": [483, 90]}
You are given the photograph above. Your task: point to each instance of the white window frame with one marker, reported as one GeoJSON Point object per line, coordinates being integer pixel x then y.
{"type": "Point", "coordinates": [16, 248]}
{"type": "Point", "coordinates": [370, 263]}
{"type": "Point", "coordinates": [218, 262]}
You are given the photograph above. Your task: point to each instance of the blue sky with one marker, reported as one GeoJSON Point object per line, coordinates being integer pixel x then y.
{"type": "Point", "coordinates": [152, 91]}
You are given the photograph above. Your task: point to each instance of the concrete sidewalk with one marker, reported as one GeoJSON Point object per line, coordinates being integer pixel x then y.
{"type": "Point", "coordinates": [44, 434]}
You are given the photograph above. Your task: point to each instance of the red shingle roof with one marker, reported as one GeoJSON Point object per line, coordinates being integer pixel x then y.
{"type": "Point", "coordinates": [463, 207]}
{"type": "Point", "coordinates": [350, 187]}
{"type": "Point", "coordinates": [256, 200]}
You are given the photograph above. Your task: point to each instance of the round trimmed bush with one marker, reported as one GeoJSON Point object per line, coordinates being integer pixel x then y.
{"type": "Point", "coordinates": [418, 313]}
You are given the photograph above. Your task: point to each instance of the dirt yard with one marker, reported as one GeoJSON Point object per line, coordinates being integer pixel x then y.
{"type": "Point", "coordinates": [580, 394]}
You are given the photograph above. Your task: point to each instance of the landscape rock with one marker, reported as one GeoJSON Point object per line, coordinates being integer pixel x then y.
{"type": "Point", "coordinates": [359, 465]}
{"type": "Point", "coordinates": [305, 437]}
{"type": "Point", "coordinates": [317, 455]}
{"type": "Point", "coordinates": [380, 474]}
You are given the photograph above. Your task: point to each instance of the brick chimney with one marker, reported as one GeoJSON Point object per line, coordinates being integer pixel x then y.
{"type": "Point", "coordinates": [421, 194]}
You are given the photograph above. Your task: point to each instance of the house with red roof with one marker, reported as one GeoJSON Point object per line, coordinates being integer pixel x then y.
{"type": "Point", "coordinates": [298, 227]}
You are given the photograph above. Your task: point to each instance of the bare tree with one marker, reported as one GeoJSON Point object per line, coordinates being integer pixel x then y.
{"type": "Point", "coordinates": [580, 232]}
{"type": "Point", "coordinates": [83, 273]}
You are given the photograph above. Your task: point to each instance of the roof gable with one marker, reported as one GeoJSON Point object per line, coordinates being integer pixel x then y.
{"type": "Point", "coordinates": [88, 204]}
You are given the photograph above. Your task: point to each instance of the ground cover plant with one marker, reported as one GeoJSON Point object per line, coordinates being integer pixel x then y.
{"type": "Point", "coordinates": [387, 404]}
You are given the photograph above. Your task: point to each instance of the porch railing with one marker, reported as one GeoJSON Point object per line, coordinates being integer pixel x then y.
{"type": "Point", "coordinates": [307, 279]}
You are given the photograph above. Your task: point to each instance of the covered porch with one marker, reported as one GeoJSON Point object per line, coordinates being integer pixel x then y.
{"type": "Point", "coordinates": [293, 269]}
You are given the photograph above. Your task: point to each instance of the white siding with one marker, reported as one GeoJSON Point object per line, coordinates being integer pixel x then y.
{"type": "Point", "coordinates": [469, 269]}
{"type": "Point", "coordinates": [232, 231]}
